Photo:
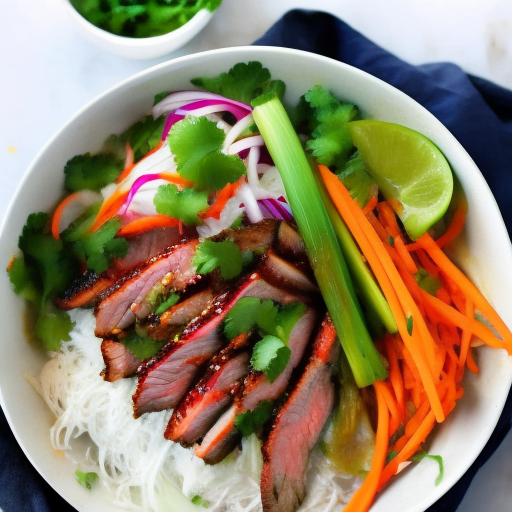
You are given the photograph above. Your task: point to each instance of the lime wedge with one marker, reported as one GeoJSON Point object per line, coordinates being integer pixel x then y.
{"type": "Point", "coordinates": [409, 169]}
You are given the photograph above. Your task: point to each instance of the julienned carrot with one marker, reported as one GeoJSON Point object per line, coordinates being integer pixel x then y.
{"type": "Point", "coordinates": [57, 215]}
{"type": "Point", "coordinates": [410, 448]}
{"type": "Point", "coordinates": [364, 496]}
{"type": "Point", "coordinates": [467, 288]}
{"type": "Point", "coordinates": [109, 208]}
{"type": "Point", "coordinates": [147, 223]}
{"type": "Point", "coordinates": [370, 205]}
{"type": "Point", "coordinates": [222, 197]}
{"type": "Point", "coordinates": [395, 376]}
{"type": "Point", "coordinates": [393, 288]}
{"type": "Point", "coordinates": [405, 255]}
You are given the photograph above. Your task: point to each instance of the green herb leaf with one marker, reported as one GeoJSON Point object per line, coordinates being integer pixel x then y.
{"type": "Point", "coordinates": [141, 347]}
{"type": "Point", "coordinates": [410, 323]}
{"type": "Point", "coordinates": [247, 313]}
{"type": "Point", "coordinates": [144, 135]}
{"type": "Point", "coordinates": [183, 204]}
{"type": "Point", "coordinates": [243, 82]}
{"type": "Point", "coordinates": [270, 355]}
{"type": "Point", "coordinates": [98, 248]}
{"type": "Point", "coordinates": [196, 143]}
{"type": "Point", "coordinates": [224, 255]}
{"type": "Point", "coordinates": [167, 303]}
{"type": "Point", "coordinates": [249, 422]}
{"type": "Point", "coordinates": [199, 501]}
{"type": "Point", "coordinates": [424, 455]}
{"type": "Point", "coordinates": [92, 172]}
{"type": "Point", "coordinates": [86, 479]}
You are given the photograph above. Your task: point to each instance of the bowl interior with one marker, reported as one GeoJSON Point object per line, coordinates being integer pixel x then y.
{"type": "Point", "coordinates": [484, 252]}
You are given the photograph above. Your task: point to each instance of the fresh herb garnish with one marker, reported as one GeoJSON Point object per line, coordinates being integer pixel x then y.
{"type": "Point", "coordinates": [140, 346]}
{"type": "Point", "coordinates": [144, 135]}
{"type": "Point", "coordinates": [86, 479]}
{"type": "Point", "coordinates": [185, 205]}
{"type": "Point", "coordinates": [199, 501]}
{"type": "Point", "coordinates": [249, 422]}
{"type": "Point", "coordinates": [224, 255]}
{"type": "Point", "coordinates": [424, 455]}
{"type": "Point", "coordinates": [243, 82]}
{"type": "Point", "coordinates": [92, 172]}
{"type": "Point", "coordinates": [270, 355]}
{"type": "Point", "coordinates": [196, 143]}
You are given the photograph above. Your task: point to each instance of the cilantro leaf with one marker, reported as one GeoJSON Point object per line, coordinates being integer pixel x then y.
{"type": "Point", "coordinates": [86, 479]}
{"type": "Point", "coordinates": [270, 355]}
{"type": "Point", "coordinates": [225, 255]}
{"type": "Point", "coordinates": [358, 181]}
{"type": "Point", "coordinates": [141, 347]}
{"type": "Point", "coordinates": [44, 271]}
{"type": "Point", "coordinates": [183, 204]}
{"type": "Point", "coordinates": [286, 319]}
{"type": "Point", "coordinates": [247, 313]}
{"type": "Point", "coordinates": [327, 118]}
{"type": "Point", "coordinates": [92, 172]}
{"type": "Point", "coordinates": [197, 146]}
{"type": "Point", "coordinates": [243, 82]}
{"type": "Point", "coordinates": [98, 248]}
{"type": "Point", "coordinates": [419, 456]}
{"type": "Point", "coordinates": [249, 422]}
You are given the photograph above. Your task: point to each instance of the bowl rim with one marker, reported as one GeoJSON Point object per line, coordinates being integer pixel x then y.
{"type": "Point", "coordinates": [244, 53]}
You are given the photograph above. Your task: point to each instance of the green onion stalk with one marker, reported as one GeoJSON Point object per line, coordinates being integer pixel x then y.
{"type": "Point", "coordinates": [320, 239]}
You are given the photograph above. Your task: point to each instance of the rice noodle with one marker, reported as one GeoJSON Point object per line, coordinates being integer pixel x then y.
{"type": "Point", "coordinates": [141, 470]}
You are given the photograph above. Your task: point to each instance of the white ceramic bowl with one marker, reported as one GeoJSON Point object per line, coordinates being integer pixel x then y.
{"type": "Point", "coordinates": [485, 253]}
{"type": "Point", "coordinates": [139, 48]}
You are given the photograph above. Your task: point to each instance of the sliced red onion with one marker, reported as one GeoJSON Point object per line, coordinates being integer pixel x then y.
{"type": "Point", "coordinates": [275, 208]}
{"type": "Point", "coordinates": [137, 184]}
{"type": "Point", "coordinates": [204, 107]}
{"type": "Point", "coordinates": [178, 99]}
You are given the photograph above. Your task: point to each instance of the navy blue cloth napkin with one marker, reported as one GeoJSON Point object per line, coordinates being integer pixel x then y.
{"type": "Point", "coordinates": [477, 112]}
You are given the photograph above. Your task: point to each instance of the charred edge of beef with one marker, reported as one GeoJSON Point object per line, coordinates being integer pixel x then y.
{"type": "Point", "coordinates": [164, 379]}
{"type": "Point", "coordinates": [298, 425]}
{"type": "Point", "coordinates": [253, 237]}
{"type": "Point", "coordinates": [83, 291]}
{"type": "Point", "coordinates": [119, 361]}
{"type": "Point", "coordinates": [223, 437]}
{"type": "Point", "coordinates": [284, 274]}
{"type": "Point", "coordinates": [215, 391]}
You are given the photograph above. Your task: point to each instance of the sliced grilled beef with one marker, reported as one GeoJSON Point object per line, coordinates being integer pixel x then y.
{"type": "Point", "coordinates": [116, 308]}
{"type": "Point", "coordinates": [284, 274]}
{"type": "Point", "coordinates": [168, 324]}
{"type": "Point", "coordinates": [297, 427]}
{"type": "Point", "coordinates": [223, 437]}
{"type": "Point", "coordinates": [254, 237]}
{"type": "Point", "coordinates": [85, 289]}
{"type": "Point", "coordinates": [119, 361]}
{"type": "Point", "coordinates": [289, 243]}
{"type": "Point", "coordinates": [164, 380]}
{"type": "Point", "coordinates": [202, 406]}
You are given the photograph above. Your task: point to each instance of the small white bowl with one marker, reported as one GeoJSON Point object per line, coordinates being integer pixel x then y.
{"type": "Point", "coordinates": [140, 48]}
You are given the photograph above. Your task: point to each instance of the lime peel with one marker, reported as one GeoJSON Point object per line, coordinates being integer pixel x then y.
{"type": "Point", "coordinates": [409, 169]}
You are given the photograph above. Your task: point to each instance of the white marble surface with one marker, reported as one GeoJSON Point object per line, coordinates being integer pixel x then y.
{"type": "Point", "coordinates": [49, 72]}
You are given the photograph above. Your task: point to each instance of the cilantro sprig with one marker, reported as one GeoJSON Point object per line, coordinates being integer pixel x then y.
{"type": "Point", "coordinates": [249, 422]}
{"type": "Point", "coordinates": [224, 255]}
{"type": "Point", "coordinates": [196, 143]}
{"type": "Point", "coordinates": [243, 82]}
{"type": "Point", "coordinates": [274, 323]}
{"type": "Point", "coordinates": [185, 205]}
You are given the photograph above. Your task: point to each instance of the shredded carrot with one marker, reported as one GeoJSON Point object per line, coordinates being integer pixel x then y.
{"type": "Point", "coordinates": [395, 376]}
{"type": "Point", "coordinates": [467, 288]}
{"type": "Point", "coordinates": [401, 303]}
{"type": "Point", "coordinates": [222, 197]}
{"type": "Point", "coordinates": [405, 255]}
{"type": "Point", "coordinates": [370, 205]}
{"type": "Point", "coordinates": [364, 496]}
{"type": "Point", "coordinates": [57, 216]}
{"type": "Point", "coordinates": [387, 218]}
{"type": "Point", "coordinates": [109, 208]}
{"type": "Point", "coordinates": [146, 223]}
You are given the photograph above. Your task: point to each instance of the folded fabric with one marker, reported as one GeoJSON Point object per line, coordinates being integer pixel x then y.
{"type": "Point", "coordinates": [476, 111]}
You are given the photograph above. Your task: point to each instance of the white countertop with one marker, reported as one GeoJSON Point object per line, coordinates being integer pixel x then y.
{"type": "Point", "coordinates": [49, 72]}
